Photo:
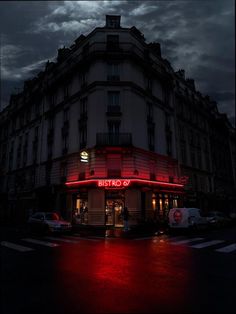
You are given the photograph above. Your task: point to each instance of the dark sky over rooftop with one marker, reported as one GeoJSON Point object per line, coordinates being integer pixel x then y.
{"type": "Point", "coordinates": [197, 36]}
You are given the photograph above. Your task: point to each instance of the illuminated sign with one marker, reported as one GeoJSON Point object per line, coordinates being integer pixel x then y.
{"type": "Point", "coordinates": [122, 183]}
{"type": "Point", "coordinates": [177, 216]}
{"type": "Point", "coordinates": [84, 156]}
{"type": "Point", "coordinates": [116, 183]}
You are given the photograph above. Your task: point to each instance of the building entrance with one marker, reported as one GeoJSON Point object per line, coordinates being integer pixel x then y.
{"type": "Point", "coordinates": [114, 208]}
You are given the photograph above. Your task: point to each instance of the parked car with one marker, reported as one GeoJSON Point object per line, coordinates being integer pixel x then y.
{"type": "Point", "coordinates": [186, 218]}
{"type": "Point", "coordinates": [218, 219]}
{"type": "Point", "coordinates": [47, 222]}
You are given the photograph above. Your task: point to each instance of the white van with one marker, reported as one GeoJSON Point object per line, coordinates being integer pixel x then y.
{"type": "Point", "coordinates": [186, 218]}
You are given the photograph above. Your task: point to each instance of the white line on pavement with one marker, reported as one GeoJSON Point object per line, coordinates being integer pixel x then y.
{"type": "Point", "coordinates": [50, 244]}
{"type": "Point", "coordinates": [206, 244]}
{"type": "Point", "coordinates": [228, 248]}
{"type": "Point", "coordinates": [16, 247]}
{"type": "Point", "coordinates": [186, 241]}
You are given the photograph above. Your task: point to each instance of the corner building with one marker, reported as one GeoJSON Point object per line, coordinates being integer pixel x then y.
{"type": "Point", "coordinates": [95, 131]}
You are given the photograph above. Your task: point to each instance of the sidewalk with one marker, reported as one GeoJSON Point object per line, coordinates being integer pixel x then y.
{"type": "Point", "coordinates": [112, 232]}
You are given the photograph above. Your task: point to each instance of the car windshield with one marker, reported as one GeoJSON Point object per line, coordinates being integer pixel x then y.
{"type": "Point", "coordinates": [52, 216]}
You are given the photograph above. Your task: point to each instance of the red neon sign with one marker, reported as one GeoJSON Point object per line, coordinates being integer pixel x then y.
{"type": "Point", "coordinates": [121, 183]}
{"type": "Point", "coordinates": [113, 183]}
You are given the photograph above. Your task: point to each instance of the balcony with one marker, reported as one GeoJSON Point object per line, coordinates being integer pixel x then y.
{"type": "Point", "coordinates": [112, 139]}
{"type": "Point", "coordinates": [113, 110]}
{"type": "Point", "coordinates": [113, 78]}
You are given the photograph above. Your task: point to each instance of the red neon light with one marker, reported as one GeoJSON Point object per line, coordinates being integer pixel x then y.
{"type": "Point", "coordinates": [120, 183]}
{"type": "Point", "coordinates": [114, 183]}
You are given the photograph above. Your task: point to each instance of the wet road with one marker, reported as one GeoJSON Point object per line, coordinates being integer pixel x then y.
{"type": "Point", "coordinates": [153, 275]}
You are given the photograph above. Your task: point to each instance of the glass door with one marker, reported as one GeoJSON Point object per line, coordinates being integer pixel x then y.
{"type": "Point", "coordinates": [114, 212]}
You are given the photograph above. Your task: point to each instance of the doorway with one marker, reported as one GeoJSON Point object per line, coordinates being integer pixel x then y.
{"type": "Point", "coordinates": [114, 208]}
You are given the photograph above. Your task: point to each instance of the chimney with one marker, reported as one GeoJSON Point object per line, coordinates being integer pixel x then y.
{"type": "Point", "coordinates": [113, 21]}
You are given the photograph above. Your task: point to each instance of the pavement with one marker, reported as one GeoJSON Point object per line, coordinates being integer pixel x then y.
{"type": "Point", "coordinates": [112, 232]}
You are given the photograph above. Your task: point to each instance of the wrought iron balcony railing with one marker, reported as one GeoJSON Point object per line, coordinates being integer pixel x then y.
{"type": "Point", "coordinates": [112, 139]}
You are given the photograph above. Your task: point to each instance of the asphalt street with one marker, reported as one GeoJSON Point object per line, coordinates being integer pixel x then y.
{"type": "Point", "coordinates": [153, 274]}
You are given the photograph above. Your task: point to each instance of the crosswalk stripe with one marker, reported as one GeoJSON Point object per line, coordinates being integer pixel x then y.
{"type": "Point", "coordinates": [186, 241]}
{"type": "Point", "coordinates": [61, 239]}
{"type": "Point", "coordinates": [16, 247]}
{"type": "Point", "coordinates": [50, 244]}
{"type": "Point", "coordinates": [206, 244]}
{"type": "Point", "coordinates": [228, 248]}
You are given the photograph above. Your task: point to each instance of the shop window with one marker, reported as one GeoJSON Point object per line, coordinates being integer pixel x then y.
{"type": "Point", "coordinates": [81, 211]}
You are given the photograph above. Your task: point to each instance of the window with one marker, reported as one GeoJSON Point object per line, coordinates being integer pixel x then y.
{"type": "Point", "coordinates": [151, 137]}
{"type": "Point", "coordinates": [36, 132]}
{"type": "Point", "coordinates": [181, 133]}
{"type": "Point", "coordinates": [63, 171]}
{"type": "Point", "coordinates": [25, 150]}
{"type": "Point", "coordinates": [113, 73]}
{"type": "Point", "coordinates": [11, 156]}
{"type": "Point", "coordinates": [167, 117]}
{"type": "Point", "coordinates": [50, 123]}
{"type": "Point", "coordinates": [149, 84]}
{"type": "Point", "coordinates": [19, 152]}
{"type": "Point", "coordinates": [183, 154]}
{"type": "Point", "coordinates": [66, 115]}
{"type": "Point", "coordinates": [112, 42]}
{"type": "Point", "coordinates": [66, 90]}
{"type": "Point", "coordinates": [83, 79]}
{"type": "Point", "coordinates": [83, 107]}
{"type": "Point", "coordinates": [65, 144]}
{"type": "Point", "coordinates": [83, 136]}
{"type": "Point", "coordinates": [169, 143]}
{"type": "Point", "coordinates": [113, 98]}
{"type": "Point", "coordinates": [49, 150]}
{"type": "Point", "coordinates": [149, 111]}
{"type": "Point", "coordinates": [52, 99]}
{"type": "Point", "coordinates": [114, 127]}
{"type": "Point", "coordinates": [37, 109]}
{"type": "Point", "coordinates": [193, 161]}
{"type": "Point", "coordinates": [199, 159]}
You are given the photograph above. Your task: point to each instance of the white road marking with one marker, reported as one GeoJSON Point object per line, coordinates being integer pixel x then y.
{"type": "Point", "coordinates": [50, 244]}
{"type": "Point", "coordinates": [186, 241]}
{"type": "Point", "coordinates": [228, 248]}
{"type": "Point", "coordinates": [206, 244]}
{"type": "Point", "coordinates": [61, 239]}
{"type": "Point", "coordinates": [16, 247]}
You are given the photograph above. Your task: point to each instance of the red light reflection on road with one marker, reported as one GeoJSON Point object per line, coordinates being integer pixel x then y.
{"type": "Point", "coordinates": [125, 276]}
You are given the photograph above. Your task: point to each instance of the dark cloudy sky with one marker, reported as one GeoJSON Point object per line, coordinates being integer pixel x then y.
{"type": "Point", "coordinates": [196, 35]}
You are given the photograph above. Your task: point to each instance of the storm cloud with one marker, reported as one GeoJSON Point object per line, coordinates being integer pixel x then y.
{"type": "Point", "coordinates": [197, 36]}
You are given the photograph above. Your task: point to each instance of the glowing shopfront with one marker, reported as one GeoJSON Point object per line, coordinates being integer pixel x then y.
{"type": "Point", "coordinates": [101, 201]}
